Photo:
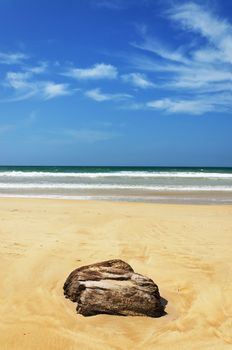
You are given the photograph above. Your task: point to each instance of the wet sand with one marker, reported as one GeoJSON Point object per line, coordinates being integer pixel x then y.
{"type": "Point", "coordinates": [185, 249]}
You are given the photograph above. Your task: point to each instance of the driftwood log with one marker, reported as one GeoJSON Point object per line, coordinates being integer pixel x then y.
{"type": "Point", "coordinates": [112, 287]}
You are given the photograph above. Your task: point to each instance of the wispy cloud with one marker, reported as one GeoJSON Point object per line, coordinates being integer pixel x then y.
{"type": "Point", "coordinates": [200, 20]}
{"type": "Point", "coordinates": [50, 90]}
{"type": "Point", "coordinates": [41, 67]}
{"type": "Point", "coordinates": [138, 80]}
{"type": "Point", "coordinates": [12, 58]}
{"type": "Point", "coordinates": [18, 80]}
{"type": "Point", "coordinates": [181, 106]}
{"type": "Point", "coordinates": [26, 86]}
{"type": "Point", "coordinates": [193, 71]}
{"type": "Point", "coordinates": [98, 71]}
{"type": "Point", "coordinates": [99, 96]}
{"type": "Point", "coordinates": [156, 47]}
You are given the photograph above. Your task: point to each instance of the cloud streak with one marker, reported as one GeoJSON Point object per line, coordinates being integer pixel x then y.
{"type": "Point", "coordinates": [99, 96]}
{"type": "Point", "coordinates": [181, 106]}
{"type": "Point", "coordinates": [25, 86]}
{"type": "Point", "coordinates": [193, 71]}
{"type": "Point", "coordinates": [50, 90]}
{"type": "Point", "coordinates": [218, 32]}
{"type": "Point", "coordinates": [98, 71]}
{"type": "Point", "coordinates": [138, 80]}
{"type": "Point", "coordinates": [12, 58]}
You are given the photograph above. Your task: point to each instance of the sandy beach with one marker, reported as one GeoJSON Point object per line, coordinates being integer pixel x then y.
{"type": "Point", "coordinates": [185, 249]}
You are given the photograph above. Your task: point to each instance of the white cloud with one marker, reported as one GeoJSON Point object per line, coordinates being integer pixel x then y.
{"type": "Point", "coordinates": [138, 79]}
{"type": "Point", "coordinates": [193, 69]}
{"type": "Point", "coordinates": [18, 80]}
{"type": "Point", "coordinates": [201, 20]}
{"type": "Point", "coordinates": [193, 76]}
{"type": "Point", "coordinates": [99, 96]}
{"type": "Point", "coordinates": [208, 55]}
{"type": "Point", "coordinates": [26, 86]}
{"type": "Point", "coordinates": [40, 68]}
{"type": "Point", "coordinates": [203, 78]}
{"type": "Point", "coordinates": [153, 45]}
{"type": "Point", "coordinates": [51, 90]}
{"type": "Point", "coordinates": [181, 106]}
{"type": "Point", "coordinates": [98, 71]}
{"type": "Point", "coordinates": [12, 58]}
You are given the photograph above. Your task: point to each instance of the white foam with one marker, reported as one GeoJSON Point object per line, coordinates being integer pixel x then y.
{"type": "Point", "coordinates": [35, 186]}
{"type": "Point", "coordinates": [132, 174]}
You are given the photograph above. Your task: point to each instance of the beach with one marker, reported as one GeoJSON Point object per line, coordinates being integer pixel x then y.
{"type": "Point", "coordinates": [185, 249]}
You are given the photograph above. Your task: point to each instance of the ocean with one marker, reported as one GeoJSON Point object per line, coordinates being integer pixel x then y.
{"type": "Point", "coordinates": [139, 184]}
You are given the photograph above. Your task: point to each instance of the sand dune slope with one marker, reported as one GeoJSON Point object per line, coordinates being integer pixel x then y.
{"type": "Point", "coordinates": [185, 249]}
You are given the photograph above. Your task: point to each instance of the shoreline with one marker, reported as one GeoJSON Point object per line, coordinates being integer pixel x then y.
{"type": "Point", "coordinates": [181, 198]}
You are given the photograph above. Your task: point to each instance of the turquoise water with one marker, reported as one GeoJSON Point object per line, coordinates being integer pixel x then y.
{"type": "Point", "coordinates": [149, 184]}
{"type": "Point", "coordinates": [95, 169]}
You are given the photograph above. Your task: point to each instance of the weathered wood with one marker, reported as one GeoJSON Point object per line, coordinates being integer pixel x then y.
{"type": "Point", "coordinates": [112, 287]}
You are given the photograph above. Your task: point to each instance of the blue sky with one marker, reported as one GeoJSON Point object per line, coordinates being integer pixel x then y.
{"type": "Point", "coordinates": [116, 82]}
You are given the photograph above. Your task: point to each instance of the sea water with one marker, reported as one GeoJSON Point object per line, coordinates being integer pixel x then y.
{"type": "Point", "coordinates": [146, 184]}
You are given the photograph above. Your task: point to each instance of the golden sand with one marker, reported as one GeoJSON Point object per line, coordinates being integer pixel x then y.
{"type": "Point", "coordinates": [186, 250]}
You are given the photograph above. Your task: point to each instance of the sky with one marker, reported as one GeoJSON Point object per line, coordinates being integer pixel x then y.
{"type": "Point", "coordinates": [116, 82]}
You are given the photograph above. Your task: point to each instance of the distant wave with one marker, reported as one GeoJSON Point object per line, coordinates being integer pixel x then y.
{"type": "Point", "coordinates": [129, 174]}
{"type": "Point", "coordinates": [113, 187]}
